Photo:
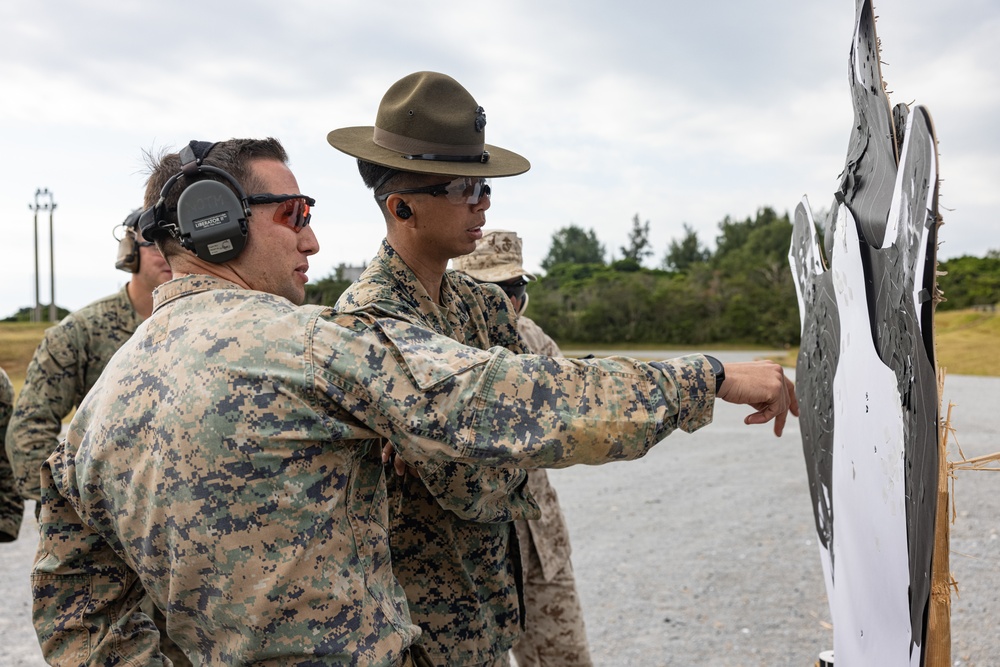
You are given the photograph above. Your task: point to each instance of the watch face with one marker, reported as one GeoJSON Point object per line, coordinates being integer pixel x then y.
{"type": "Point", "coordinates": [718, 370]}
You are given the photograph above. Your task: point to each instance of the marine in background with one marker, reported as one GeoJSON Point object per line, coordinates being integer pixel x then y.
{"type": "Point", "coordinates": [70, 358]}
{"type": "Point", "coordinates": [554, 633]}
{"type": "Point", "coordinates": [73, 354]}
{"type": "Point", "coordinates": [11, 504]}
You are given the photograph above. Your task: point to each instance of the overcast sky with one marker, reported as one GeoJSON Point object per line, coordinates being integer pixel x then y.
{"type": "Point", "coordinates": [682, 112]}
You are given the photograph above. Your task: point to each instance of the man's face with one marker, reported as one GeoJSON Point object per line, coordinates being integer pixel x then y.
{"type": "Point", "coordinates": [153, 269]}
{"type": "Point", "coordinates": [275, 259]}
{"type": "Point", "coordinates": [447, 230]}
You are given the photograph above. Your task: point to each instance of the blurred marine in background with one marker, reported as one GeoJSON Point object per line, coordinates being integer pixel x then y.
{"type": "Point", "coordinates": [72, 355]}
{"type": "Point", "coordinates": [11, 505]}
{"type": "Point", "coordinates": [554, 632]}
{"type": "Point", "coordinates": [68, 362]}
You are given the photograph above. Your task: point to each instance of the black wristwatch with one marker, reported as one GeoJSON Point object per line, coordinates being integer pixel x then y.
{"type": "Point", "coordinates": [719, 370]}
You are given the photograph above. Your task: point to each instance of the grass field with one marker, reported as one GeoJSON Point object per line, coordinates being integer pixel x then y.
{"type": "Point", "coordinates": [968, 343]}
{"type": "Point", "coordinates": [18, 341]}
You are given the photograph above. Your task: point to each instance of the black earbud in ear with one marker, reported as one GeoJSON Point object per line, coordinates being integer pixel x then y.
{"type": "Point", "coordinates": [403, 211]}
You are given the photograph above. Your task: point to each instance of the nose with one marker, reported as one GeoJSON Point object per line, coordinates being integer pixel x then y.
{"type": "Point", "coordinates": [308, 243]}
{"type": "Point", "coordinates": [482, 204]}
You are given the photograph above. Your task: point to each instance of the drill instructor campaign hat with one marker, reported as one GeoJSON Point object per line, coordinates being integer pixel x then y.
{"type": "Point", "coordinates": [496, 259]}
{"type": "Point", "coordinates": [429, 124]}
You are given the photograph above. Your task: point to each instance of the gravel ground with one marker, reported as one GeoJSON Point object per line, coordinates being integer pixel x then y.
{"type": "Point", "coordinates": [703, 552]}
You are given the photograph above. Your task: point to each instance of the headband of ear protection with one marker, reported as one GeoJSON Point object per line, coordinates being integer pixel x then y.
{"type": "Point", "coordinates": [211, 219]}
{"type": "Point", "coordinates": [128, 244]}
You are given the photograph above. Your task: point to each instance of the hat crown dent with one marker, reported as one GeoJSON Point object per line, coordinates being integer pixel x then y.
{"type": "Point", "coordinates": [433, 108]}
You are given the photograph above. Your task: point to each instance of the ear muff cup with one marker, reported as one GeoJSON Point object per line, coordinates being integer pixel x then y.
{"type": "Point", "coordinates": [211, 221]}
{"type": "Point", "coordinates": [128, 253]}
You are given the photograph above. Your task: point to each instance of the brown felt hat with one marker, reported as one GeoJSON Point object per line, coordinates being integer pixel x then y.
{"type": "Point", "coordinates": [496, 259]}
{"type": "Point", "coordinates": [429, 124]}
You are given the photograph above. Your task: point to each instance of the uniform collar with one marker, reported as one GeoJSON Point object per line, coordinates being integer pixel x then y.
{"type": "Point", "coordinates": [194, 283]}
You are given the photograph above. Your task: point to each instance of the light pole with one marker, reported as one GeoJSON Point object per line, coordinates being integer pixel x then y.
{"type": "Point", "coordinates": [53, 315]}
{"type": "Point", "coordinates": [36, 312]}
{"type": "Point", "coordinates": [50, 206]}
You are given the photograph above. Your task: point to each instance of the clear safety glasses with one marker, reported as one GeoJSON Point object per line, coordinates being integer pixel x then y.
{"type": "Point", "coordinates": [462, 190]}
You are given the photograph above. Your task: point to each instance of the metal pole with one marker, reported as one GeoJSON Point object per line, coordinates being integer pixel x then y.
{"type": "Point", "coordinates": [53, 315]}
{"type": "Point", "coordinates": [36, 313]}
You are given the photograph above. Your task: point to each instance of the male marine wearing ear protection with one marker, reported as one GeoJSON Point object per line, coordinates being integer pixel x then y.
{"type": "Point", "coordinates": [73, 353]}
{"type": "Point", "coordinates": [72, 356]}
{"type": "Point", "coordinates": [228, 458]}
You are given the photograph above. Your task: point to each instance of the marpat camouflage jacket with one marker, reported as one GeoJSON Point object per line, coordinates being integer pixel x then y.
{"type": "Point", "coordinates": [11, 505]}
{"type": "Point", "coordinates": [228, 459]}
{"type": "Point", "coordinates": [459, 577]}
{"type": "Point", "coordinates": [548, 535]}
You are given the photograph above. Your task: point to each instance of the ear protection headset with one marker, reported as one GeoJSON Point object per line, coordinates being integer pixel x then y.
{"type": "Point", "coordinates": [211, 219]}
{"type": "Point", "coordinates": [128, 244]}
{"type": "Point", "coordinates": [403, 211]}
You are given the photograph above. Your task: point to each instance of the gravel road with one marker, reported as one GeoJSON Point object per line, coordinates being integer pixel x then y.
{"type": "Point", "coordinates": [703, 552]}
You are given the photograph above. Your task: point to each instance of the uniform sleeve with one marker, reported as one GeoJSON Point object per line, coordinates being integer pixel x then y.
{"type": "Point", "coordinates": [53, 386]}
{"type": "Point", "coordinates": [11, 505]}
{"type": "Point", "coordinates": [438, 400]}
{"type": "Point", "coordinates": [85, 598]}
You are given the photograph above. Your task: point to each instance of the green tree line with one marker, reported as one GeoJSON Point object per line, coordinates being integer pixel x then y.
{"type": "Point", "coordinates": [970, 281]}
{"type": "Point", "coordinates": [740, 293]}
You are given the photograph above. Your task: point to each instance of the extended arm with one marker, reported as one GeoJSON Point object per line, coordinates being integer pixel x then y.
{"type": "Point", "coordinates": [438, 400]}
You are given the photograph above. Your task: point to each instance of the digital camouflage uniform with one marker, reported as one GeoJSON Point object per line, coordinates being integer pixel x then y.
{"type": "Point", "coordinates": [228, 459]}
{"type": "Point", "coordinates": [554, 633]}
{"type": "Point", "coordinates": [65, 366]}
{"type": "Point", "coordinates": [11, 505]}
{"type": "Point", "coordinates": [459, 576]}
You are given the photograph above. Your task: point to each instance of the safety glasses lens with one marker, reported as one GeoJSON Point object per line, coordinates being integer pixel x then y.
{"type": "Point", "coordinates": [293, 213]}
{"type": "Point", "coordinates": [467, 190]}
{"type": "Point", "coordinates": [515, 289]}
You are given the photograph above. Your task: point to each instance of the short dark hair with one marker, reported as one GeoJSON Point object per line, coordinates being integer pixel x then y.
{"type": "Point", "coordinates": [380, 179]}
{"type": "Point", "coordinates": [233, 156]}
{"type": "Point", "coordinates": [375, 176]}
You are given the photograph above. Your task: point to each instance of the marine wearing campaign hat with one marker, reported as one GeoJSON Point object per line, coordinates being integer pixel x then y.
{"type": "Point", "coordinates": [457, 564]}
